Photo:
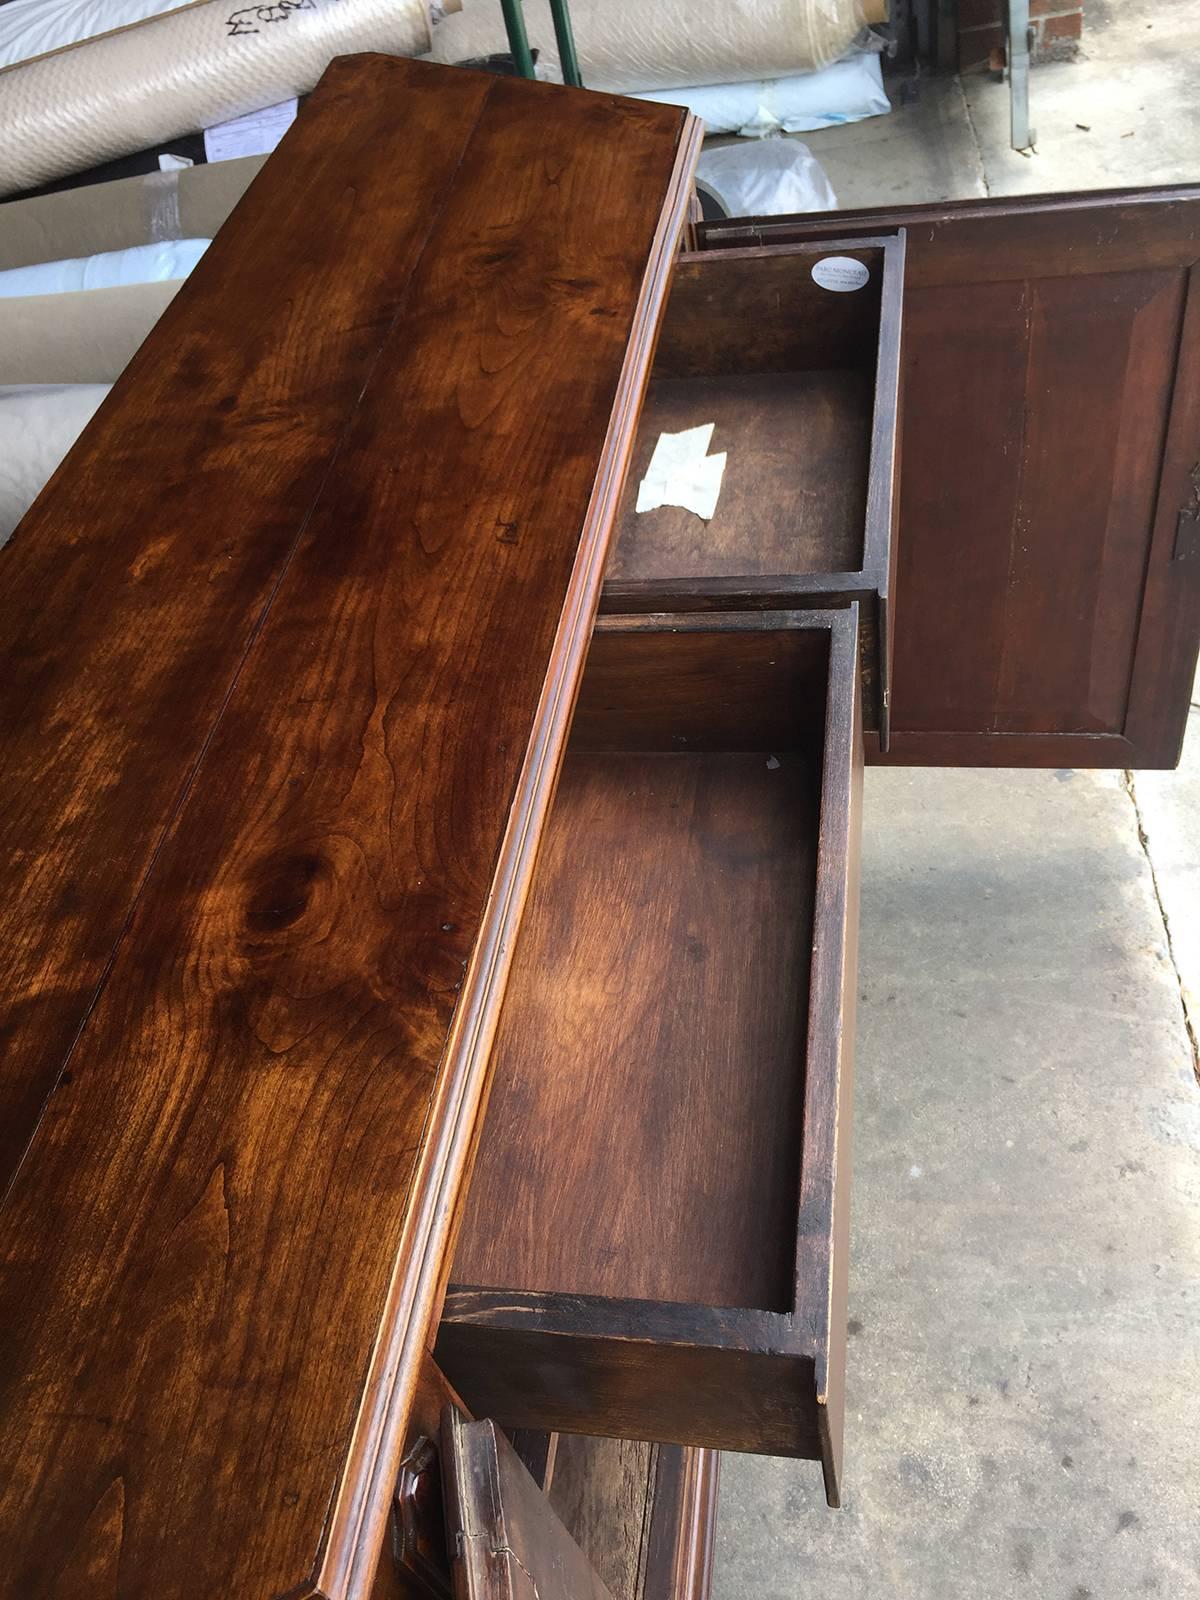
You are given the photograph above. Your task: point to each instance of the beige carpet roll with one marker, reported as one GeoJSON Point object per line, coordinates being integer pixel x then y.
{"type": "Point", "coordinates": [188, 69]}
{"type": "Point", "coordinates": [631, 45]}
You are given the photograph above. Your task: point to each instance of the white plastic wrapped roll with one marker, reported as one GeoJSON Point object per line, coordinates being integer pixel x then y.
{"type": "Point", "coordinates": [847, 91]}
{"type": "Point", "coordinates": [188, 69]}
{"type": "Point", "coordinates": [773, 178]}
{"type": "Point", "coordinates": [628, 45]}
{"type": "Point", "coordinates": [110, 269]}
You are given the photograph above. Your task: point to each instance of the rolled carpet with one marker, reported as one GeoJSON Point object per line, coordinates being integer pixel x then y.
{"type": "Point", "coordinates": [631, 45]}
{"type": "Point", "coordinates": [38, 425]}
{"type": "Point", "coordinates": [187, 69]}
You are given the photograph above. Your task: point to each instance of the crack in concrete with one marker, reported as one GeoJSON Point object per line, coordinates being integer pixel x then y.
{"type": "Point", "coordinates": [980, 164]}
{"type": "Point", "coordinates": [1144, 840]}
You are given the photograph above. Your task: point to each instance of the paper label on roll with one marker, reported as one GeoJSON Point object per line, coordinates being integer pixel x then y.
{"type": "Point", "coordinates": [842, 274]}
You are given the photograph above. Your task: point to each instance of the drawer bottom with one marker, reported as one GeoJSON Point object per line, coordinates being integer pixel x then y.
{"type": "Point", "coordinates": [649, 1247]}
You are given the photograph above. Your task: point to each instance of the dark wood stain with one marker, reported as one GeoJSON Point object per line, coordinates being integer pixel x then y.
{"type": "Point", "coordinates": [657, 1008]}
{"type": "Point", "coordinates": [1052, 400]}
{"type": "Point", "coordinates": [794, 489]}
{"type": "Point", "coordinates": [725, 1378]}
{"type": "Point", "coordinates": [687, 683]}
{"type": "Point", "coordinates": [803, 387]}
{"type": "Point", "coordinates": [643, 1514]}
{"type": "Point", "coordinates": [505, 1540]}
{"type": "Point", "coordinates": [752, 311]}
{"type": "Point", "coordinates": [604, 1491]}
{"type": "Point", "coordinates": [208, 1362]}
{"type": "Point", "coordinates": [683, 1529]}
{"type": "Point", "coordinates": [136, 584]}
{"type": "Point", "coordinates": [284, 724]}
{"type": "Point", "coordinates": [642, 1076]}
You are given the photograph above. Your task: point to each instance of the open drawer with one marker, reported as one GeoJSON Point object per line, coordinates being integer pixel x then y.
{"type": "Point", "coordinates": [791, 357]}
{"type": "Point", "coordinates": [653, 1244]}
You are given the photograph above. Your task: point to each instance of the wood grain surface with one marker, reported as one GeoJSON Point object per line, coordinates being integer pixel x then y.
{"type": "Point", "coordinates": [739, 681]}
{"type": "Point", "coordinates": [657, 1008]}
{"type": "Point", "coordinates": [794, 488]}
{"type": "Point", "coordinates": [1048, 615]}
{"type": "Point", "coordinates": [725, 1378]}
{"type": "Point", "coordinates": [644, 1187]}
{"type": "Point", "coordinates": [753, 310]}
{"type": "Point", "coordinates": [506, 1542]}
{"type": "Point", "coordinates": [134, 587]}
{"type": "Point", "coordinates": [604, 1489]}
{"type": "Point", "coordinates": [223, 1245]}
{"type": "Point", "coordinates": [644, 1515]}
{"type": "Point", "coordinates": [803, 389]}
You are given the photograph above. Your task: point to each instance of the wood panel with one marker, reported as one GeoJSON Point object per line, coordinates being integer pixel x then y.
{"type": "Point", "coordinates": [133, 588]}
{"type": "Point", "coordinates": [1048, 614]}
{"type": "Point", "coordinates": [760, 311]}
{"type": "Point", "coordinates": [639, 1519]}
{"type": "Point", "coordinates": [413, 1563]}
{"type": "Point", "coordinates": [506, 1543]}
{"type": "Point", "coordinates": [794, 489]}
{"type": "Point", "coordinates": [657, 1007]}
{"type": "Point", "coordinates": [679, 1562]}
{"type": "Point", "coordinates": [604, 1491]}
{"type": "Point", "coordinates": [632, 1303]}
{"type": "Point", "coordinates": [724, 1378]}
{"type": "Point", "coordinates": [1040, 235]}
{"type": "Point", "coordinates": [1026, 636]}
{"type": "Point", "coordinates": [803, 388]}
{"type": "Point", "coordinates": [644, 1515]}
{"type": "Point", "coordinates": [823, 1242]}
{"type": "Point", "coordinates": [697, 682]}
{"type": "Point", "coordinates": [224, 1244]}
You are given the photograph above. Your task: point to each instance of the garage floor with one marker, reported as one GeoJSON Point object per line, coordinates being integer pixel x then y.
{"type": "Point", "coordinates": [1024, 1393]}
{"type": "Point", "coordinates": [1127, 112]}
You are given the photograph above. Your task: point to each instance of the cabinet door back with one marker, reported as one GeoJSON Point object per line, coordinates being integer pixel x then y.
{"type": "Point", "coordinates": [505, 1540]}
{"type": "Point", "coordinates": [1047, 602]}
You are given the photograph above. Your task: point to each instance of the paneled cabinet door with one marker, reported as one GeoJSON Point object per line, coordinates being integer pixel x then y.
{"type": "Point", "coordinates": [1047, 595]}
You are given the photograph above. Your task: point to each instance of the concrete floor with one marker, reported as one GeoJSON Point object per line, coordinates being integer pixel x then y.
{"type": "Point", "coordinates": [1024, 1391]}
{"type": "Point", "coordinates": [1135, 91]}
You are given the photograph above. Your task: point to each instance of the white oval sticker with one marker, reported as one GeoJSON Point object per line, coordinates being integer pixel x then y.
{"type": "Point", "coordinates": [840, 273]}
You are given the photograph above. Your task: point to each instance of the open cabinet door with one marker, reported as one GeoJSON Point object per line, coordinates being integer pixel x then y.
{"type": "Point", "coordinates": [504, 1540]}
{"type": "Point", "coordinates": [1047, 592]}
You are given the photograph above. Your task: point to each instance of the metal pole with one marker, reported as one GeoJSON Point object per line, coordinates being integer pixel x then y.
{"type": "Point", "coordinates": [1023, 136]}
{"type": "Point", "coordinates": [561, 12]}
{"type": "Point", "coordinates": [518, 39]}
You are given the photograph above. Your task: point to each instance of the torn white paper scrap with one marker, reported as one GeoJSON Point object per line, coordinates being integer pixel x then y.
{"type": "Point", "coordinates": [682, 473]}
{"type": "Point", "coordinates": [255, 134]}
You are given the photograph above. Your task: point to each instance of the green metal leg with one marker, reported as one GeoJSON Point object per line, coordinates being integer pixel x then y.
{"type": "Point", "coordinates": [518, 39]}
{"type": "Point", "coordinates": [561, 12]}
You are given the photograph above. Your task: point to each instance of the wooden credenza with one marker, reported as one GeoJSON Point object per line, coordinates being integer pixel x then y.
{"type": "Point", "coordinates": [431, 864]}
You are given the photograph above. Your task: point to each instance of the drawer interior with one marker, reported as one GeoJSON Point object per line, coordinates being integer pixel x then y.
{"type": "Point", "coordinates": [656, 1162]}
{"type": "Point", "coordinates": [657, 1006]}
{"type": "Point", "coordinates": [789, 374]}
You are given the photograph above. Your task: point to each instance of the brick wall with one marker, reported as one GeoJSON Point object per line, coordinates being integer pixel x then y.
{"type": "Point", "coordinates": [1057, 29]}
